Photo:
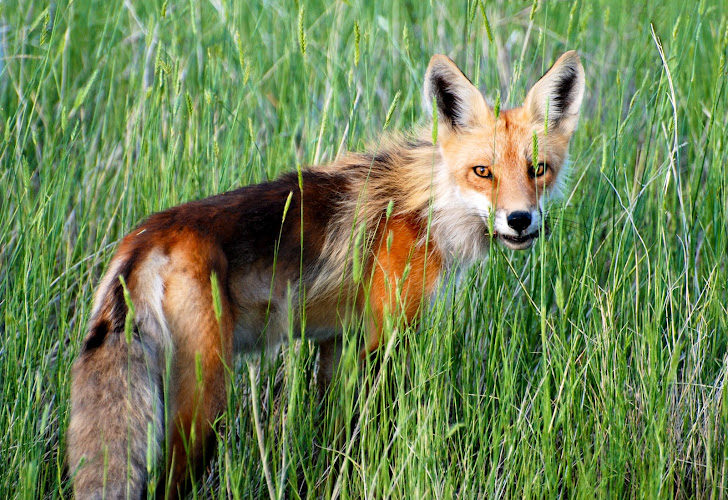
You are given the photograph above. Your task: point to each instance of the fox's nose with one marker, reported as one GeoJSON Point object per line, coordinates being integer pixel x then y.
{"type": "Point", "coordinates": [519, 220]}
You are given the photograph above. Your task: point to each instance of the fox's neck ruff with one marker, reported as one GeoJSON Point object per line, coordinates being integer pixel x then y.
{"type": "Point", "coordinates": [460, 233]}
{"type": "Point", "coordinates": [403, 179]}
{"type": "Point", "coordinates": [414, 177]}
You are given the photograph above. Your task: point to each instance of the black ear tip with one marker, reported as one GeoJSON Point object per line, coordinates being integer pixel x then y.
{"type": "Point", "coordinates": [572, 60]}
{"type": "Point", "coordinates": [441, 84]}
{"type": "Point", "coordinates": [440, 63]}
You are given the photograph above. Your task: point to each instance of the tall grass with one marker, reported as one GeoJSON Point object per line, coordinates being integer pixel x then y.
{"type": "Point", "coordinates": [593, 365]}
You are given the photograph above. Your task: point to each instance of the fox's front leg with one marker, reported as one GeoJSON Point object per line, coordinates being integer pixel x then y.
{"type": "Point", "coordinates": [329, 357]}
{"type": "Point", "coordinates": [405, 270]}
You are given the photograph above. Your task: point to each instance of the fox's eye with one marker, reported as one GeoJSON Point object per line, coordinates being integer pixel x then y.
{"type": "Point", "coordinates": [540, 169]}
{"type": "Point", "coordinates": [483, 171]}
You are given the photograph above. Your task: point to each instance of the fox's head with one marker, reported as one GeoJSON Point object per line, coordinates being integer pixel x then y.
{"type": "Point", "coordinates": [488, 161]}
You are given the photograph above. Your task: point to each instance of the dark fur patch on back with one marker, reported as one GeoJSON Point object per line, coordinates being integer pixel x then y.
{"type": "Point", "coordinates": [416, 143]}
{"type": "Point", "coordinates": [248, 222]}
{"type": "Point", "coordinates": [384, 159]}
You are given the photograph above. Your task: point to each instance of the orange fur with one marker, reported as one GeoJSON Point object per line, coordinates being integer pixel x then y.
{"type": "Point", "coordinates": [403, 275]}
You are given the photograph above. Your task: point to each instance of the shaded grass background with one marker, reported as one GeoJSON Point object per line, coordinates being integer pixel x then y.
{"type": "Point", "coordinates": [594, 364]}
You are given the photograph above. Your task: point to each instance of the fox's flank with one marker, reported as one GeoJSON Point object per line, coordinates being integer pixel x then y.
{"type": "Point", "coordinates": [364, 237]}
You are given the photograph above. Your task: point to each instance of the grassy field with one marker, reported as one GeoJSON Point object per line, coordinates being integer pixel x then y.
{"type": "Point", "coordinates": [594, 364]}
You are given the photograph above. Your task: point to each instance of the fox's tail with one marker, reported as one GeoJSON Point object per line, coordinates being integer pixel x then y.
{"type": "Point", "coordinates": [117, 420]}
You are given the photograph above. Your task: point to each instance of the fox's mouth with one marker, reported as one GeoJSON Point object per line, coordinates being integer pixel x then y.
{"type": "Point", "coordinates": [518, 242]}
{"type": "Point", "coordinates": [523, 241]}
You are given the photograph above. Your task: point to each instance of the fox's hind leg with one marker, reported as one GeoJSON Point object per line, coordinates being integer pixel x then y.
{"type": "Point", "coordinates": [202, 355]}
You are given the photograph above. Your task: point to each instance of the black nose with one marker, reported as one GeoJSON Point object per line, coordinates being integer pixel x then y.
{"type": "Point", "coordinates": [519, 220]}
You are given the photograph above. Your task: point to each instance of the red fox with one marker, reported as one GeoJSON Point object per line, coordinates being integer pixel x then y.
{"type": "Point", "coordinates": [285, 249]}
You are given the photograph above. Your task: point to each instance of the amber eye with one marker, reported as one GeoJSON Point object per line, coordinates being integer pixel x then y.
{"type": "Point", "coordinates": [540, 169]}
{"type": "Point", "coordinates": [483, 171]}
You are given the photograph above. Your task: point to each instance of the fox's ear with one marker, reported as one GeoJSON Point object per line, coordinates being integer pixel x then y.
{"type": "Point", "coordinates": [561, 89]}
{"type": "Point", "coordinates": [459, 104]}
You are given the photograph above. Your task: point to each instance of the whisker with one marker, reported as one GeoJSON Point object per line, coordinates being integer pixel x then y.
{"type": "Point", "coordinates": [571, 226]}
{"type": "Point", "coordinates": [566, 221]}
{"type": "Point", "coordinates": [573, 220]}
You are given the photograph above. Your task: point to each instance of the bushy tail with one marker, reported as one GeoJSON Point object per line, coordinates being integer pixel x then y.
{"type": "Point", "coordinates": [117, 421]}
